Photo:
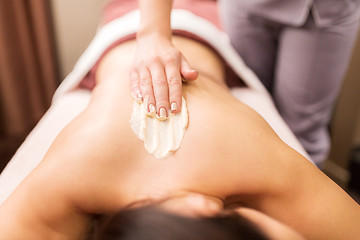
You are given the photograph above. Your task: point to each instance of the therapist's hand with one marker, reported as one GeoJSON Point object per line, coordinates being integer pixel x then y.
{"type": "Point", "coordinates": [157, 74]}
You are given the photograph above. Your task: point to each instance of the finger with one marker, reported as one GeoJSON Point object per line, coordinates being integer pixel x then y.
{"type": "Point", "coordinates": [134, 85]}
{"type": "Point", "coordinates": [187, 71]}
{"type": "Point", "coordinates": [175, 86]}
{"type": "Point", "coordinates": [147, 89]}
{"type": "Point", "coordinates": [161, 90]}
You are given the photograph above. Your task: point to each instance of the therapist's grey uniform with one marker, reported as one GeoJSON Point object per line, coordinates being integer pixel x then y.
{"type": "Point", "coordinates": [300, 50]}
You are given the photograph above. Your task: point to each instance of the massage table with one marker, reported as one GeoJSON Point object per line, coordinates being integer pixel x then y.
{"type": "Point", "coordinates": [69, 100]}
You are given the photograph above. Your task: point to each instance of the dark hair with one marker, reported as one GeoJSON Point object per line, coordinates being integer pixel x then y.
{"type": "Point", "coordinates": [152, 223]}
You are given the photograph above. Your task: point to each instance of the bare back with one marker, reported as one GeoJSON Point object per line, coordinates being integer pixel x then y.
{"type": "Point", "coordinates": [222, 131]}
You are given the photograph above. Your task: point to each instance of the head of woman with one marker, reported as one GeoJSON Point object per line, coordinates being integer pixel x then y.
{"type": "Point", "coordinates": [194, 217]}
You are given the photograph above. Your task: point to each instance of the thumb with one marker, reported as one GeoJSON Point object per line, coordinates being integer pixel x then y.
{"type": "Point", "coordinates": [188, 73]}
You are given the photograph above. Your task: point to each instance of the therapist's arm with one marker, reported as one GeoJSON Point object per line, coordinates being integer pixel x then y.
{"type": "Point", "coordinates": [159, 67]}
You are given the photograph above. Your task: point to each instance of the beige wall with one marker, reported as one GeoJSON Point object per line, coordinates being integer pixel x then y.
{"type": "Point", "coordinates": [345, 126]}
{"type": "Point", "coordinates": [75, 25]}
{"type": "Point", "coordinates": [357, 133]}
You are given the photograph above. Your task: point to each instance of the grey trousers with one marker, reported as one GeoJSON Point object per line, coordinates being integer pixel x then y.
{"type": "Point", "coordinates": [303, 67]}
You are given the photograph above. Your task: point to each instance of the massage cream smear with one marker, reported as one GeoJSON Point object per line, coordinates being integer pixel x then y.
{"type": "Point", "coordinates": [161, 137]}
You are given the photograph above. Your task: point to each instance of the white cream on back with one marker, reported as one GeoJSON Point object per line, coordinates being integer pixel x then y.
{"type": "Point", "coordinates": [160, 137]}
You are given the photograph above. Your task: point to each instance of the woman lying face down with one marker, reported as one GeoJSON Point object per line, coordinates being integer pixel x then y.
{"type": "Point", "coordinates": [229, 157]}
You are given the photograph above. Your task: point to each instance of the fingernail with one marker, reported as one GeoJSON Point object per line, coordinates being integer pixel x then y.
{"type": "Point", "coordinates": [162, 115]}
{"type": "Point", "coordinates": [152, 108]}
{"type": "Point", "coordinates": [139, 96]}
{"type": "Point", "coordinates": [174, 106]}
{"type": "Point", "coordinates": [134, 95]}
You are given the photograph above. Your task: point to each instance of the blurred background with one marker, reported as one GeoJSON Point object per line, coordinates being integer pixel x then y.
{"type": "Point", "coordinates": [40, 40]}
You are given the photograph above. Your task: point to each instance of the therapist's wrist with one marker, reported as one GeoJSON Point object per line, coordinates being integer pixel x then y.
{"type": "Point", "coordinates": [158, 32]}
